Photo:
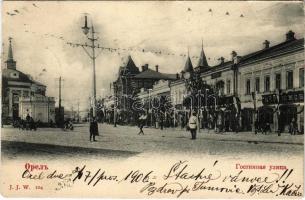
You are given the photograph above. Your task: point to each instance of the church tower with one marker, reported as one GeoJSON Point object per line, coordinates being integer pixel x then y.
{"type": "Point", "coordinates": [10, 62]}
{"type": "Point", "coordinates": [202, 63]}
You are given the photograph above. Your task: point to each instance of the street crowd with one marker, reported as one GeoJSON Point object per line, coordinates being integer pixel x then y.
{"type": "Point", "coordinates": [219, 120]}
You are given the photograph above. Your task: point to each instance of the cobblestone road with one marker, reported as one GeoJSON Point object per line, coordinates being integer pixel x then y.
{"type": "Point", "coordinates": [124, 141]}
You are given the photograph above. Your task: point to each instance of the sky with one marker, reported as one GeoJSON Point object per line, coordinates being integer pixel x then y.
{"type": "Point", "coordinates": [41, 30]}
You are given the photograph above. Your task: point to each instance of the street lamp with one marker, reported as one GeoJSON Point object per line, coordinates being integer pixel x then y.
{"type": "Point", "coordinates": [86, 30]}
{"type": "Point", "coordinates": [85, 27]}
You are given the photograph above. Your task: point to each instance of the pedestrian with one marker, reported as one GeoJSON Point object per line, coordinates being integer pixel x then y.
{"type": "Point", "coordinates": [219, 121]}
{"type": "Point", "coordinates": [142, 120]}
{"type": "Point", "coordinates": [182, 120]}
{"type": "Point", "coordinates": [193, 125]}
{"type": "Point", "coordinates": [293, 127]}
{"type": "Point", "coordinates": [32, 124]}
{"type": "Point", "coordinates": [256, 126]}
{"type": "Point", "coordinates": [93, 129]}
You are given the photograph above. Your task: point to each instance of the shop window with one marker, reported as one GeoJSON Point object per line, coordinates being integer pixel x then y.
{"type": "Point", "coordinates": [228, 86]}
{"type": "Point", "coordinates": [248, 86]}
{"type": "Point", "coordinates": [220, 87]}
{"type": "Point", "coordinates": [267, 83]}
{"type": "Point", "coordinates": [289, 79]}
{"type": "Point", "coordinates": [278, 81]}
{"type": "Point", "coordinates": [301, 72]}
{"type": "Point", "coordinates": [257, 84]}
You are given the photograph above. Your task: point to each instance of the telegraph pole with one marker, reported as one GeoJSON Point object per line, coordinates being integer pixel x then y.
{"type": "Point", "coordinates": [72, 110]}
{"type": "Point", "coordinates": [59, 102]}
{"type": "Point", "coordinates": [59, 90]}
{"type": "Point", "coordinates": [78, 111]}
{"type": "Point", "coordinates": [93, 56]}
{"type": "Point", "coordinates": [115, 104]}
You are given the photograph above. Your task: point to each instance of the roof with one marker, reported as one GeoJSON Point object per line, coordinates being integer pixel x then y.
{"type": "Point", "coordinates": [38, 83]}
{"type": "Point", "coordinates": [221, 65]}
{"type": "Point", "coordinates": [130, 67]}
{"type": "Point", "coordinates": [151, 74]}
{"type": "Point", "coordinates": [171, 76]}
{"type": "Point", "coordinates": [6, 73]}
{"type": "Point", "coordinates": [188, 67]}
{"type": "Point", "coordinates": [287, 46]}
{"type": "Point", "coordinates": [202, 63]}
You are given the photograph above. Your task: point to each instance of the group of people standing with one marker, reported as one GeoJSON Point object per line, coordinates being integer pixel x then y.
{"type": "Point", "coordinates": [25, 124]}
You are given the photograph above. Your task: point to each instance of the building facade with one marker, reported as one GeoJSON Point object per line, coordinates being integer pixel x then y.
{"type": "Point", "coordinates": [264, 87]}
{"type": "Point", "coordinates": [131, 80]}
{"type": "Point", "coordinates": [22, 96]}
{"type": "Point", "coordinates": [272, 84]}
{"type": "Point", "coordinates": [268, 83]}
{"type": "Point", "coordinates": [41, 108]}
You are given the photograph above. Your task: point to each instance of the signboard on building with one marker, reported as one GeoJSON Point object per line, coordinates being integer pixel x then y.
{"type": "Point", "coordinates": [285, 98]}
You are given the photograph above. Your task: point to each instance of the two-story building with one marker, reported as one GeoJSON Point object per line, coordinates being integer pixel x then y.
{"type": "Point", "coordinates": [131, 80]}
{"type": "Point", "coordinates": [271, 82]}
{"type": "Point", "coordinates": [268, 84]}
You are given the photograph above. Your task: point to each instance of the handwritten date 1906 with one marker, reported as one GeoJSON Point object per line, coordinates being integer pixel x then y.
{"type": "Point", "coordinates": [137, 176]}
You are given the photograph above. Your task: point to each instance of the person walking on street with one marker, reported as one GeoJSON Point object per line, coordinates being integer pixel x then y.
{"type": "Point", "coordinates": [141, 123]}
{"type": "Point", "coordinates": [161, 120]}
{"type": "Point", "coordinates": [193, 125]}
{"type": "Point", "coordinates": [293, 127]}
{"type": "Point", "coordinates": [219, 122]}
{"type": "Point", "coordinates": [93, 129]}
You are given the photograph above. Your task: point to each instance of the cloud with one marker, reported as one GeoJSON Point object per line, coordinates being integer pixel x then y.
{"type": "Point", "coordinates": [284, 14]}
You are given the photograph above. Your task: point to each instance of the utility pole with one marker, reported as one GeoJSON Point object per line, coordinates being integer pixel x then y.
{"type": "Point", "coordinates": [199, 110]}
{"type": "Point", "coordinates": [59, 90]}
{"type": "Point", "coordinates": [59, 103]}
{"type": "Point", "coordinates": [72, 110]}
{"type": "Point", "coordinates": [93, 56]}
{"type": "Point", "coordinates": [78, 111]}
{"type": "Point", "coordinates": [115, 104]}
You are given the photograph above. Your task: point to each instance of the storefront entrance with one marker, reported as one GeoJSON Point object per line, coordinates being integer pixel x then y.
{"type": "Point", "coordinates": [287, 113]}
{"type": "Point", "coordinates": [247, 119]}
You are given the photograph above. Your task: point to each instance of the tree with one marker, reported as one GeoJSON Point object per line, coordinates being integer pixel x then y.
{"type": "Point", "coordinates": [198, 92]}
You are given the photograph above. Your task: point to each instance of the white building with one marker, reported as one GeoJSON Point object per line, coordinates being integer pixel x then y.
{"type": "Point", "coordinates": [21, 95]}
{"type": "Point", "coordinates": [274, 77]}
{"type": "Point", "coordinates": [40, 107]}
{"type": "Point", "coordinates": [268, 82]}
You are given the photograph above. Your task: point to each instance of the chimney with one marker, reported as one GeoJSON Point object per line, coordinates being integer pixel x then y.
{"type": "Point", "coordinates": [234, 54]}
{"type": "Point", "coordinates": [157, 68]}
{"type": "Point", "coordinates": [266, 44]}
{"type": "Point", "coordinates": [222, 60]}
{"type": "Point", "coordinates": [290, 36]}
{"type": "Point", "coordinates": [145, 67]}
{"type": "Point", "coordinates": [177, 76]}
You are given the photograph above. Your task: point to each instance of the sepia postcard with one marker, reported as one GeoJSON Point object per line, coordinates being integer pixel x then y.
{"type": "Point", "coordinates": [152, 99]}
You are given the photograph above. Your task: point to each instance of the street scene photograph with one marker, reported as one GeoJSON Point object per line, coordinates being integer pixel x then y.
{"type": "Point", "coordinates": [150, 84]}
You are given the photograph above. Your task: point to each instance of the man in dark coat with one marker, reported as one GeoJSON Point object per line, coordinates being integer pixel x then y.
{"type": "Point", "coordinates": [142, 121]}
{"type": "Point", "coordinates": [93, 129]}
